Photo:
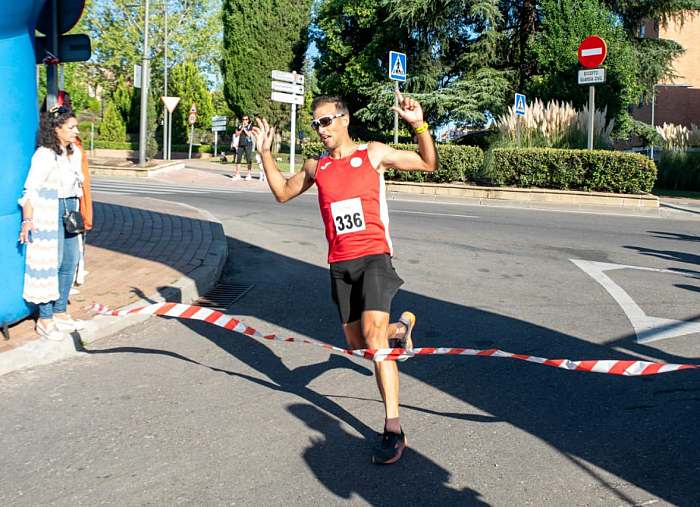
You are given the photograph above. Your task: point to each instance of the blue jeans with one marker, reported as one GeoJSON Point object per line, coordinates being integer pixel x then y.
{"type": "Point", "coordinates": [68, 258]}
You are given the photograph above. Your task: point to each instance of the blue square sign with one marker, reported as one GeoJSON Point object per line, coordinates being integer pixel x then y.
{"type": "Point", "coordinates": [397, 66]}
{"type": "Point", "coordinates": [520, 104]}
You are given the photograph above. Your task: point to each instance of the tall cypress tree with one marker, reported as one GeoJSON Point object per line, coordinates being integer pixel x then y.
{"type": "Point", "coordinates": [260, 37]}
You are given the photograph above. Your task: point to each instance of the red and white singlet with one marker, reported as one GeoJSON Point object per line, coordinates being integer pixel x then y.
{"type": "Point", "coordinates": [353, 206]}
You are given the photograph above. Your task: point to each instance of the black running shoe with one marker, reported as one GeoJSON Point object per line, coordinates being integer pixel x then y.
{"type": "Point", "coordinates": [390, 448]}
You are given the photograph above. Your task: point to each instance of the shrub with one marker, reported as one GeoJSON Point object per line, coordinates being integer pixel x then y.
{"type": "Point", "coordinates": [112, 127]}
{"type": "Point", "coordinates": [679, 170]}
{"type": "Point", "coordinates": [678, 137]}
{"type": "Point", "coordinates": [457, 163]}
{"type": "Point", "coordinates": [599, 171]}
{"type": "Point", "coordinates": [116, 145]}
{"type": "Point", "coordinates": [196, 148]}
{"type": "Point", "coordinates": [554, 125]}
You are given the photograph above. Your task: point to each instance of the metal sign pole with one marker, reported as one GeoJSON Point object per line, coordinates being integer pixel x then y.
{"type": "Point", "coordinates": [292, 139]}
{"type": "Point", "coordinates": [591, 106]}
{"type": "Point", "coordinates": [170, 135]}
{"type": "Point", "coordinates": [165, 132]}
{"type": "Point", "coordinates": [143, 123]}
{"type": "Point", "coordinates": [52, 68]}
{"type": "Point", "coordinates": [191, 138]}
{"type": "Point", "coordinates": [396, 115]}
{"type": "Point", "coordinates": [165, 75]}
{"type": "Point", "coordinates": [293, 127]}
{"type": "Point", "coordinates": [216, 142]}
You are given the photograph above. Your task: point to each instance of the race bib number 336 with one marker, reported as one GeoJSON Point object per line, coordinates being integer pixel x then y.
{"type": "Point", "coordinates": [348, 216]}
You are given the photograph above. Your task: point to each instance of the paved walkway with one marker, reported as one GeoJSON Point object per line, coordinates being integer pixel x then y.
{"type": "Point", "coordinates": [140, 249]}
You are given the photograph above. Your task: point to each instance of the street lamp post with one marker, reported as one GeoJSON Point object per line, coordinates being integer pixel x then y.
{"type": "Point", "coordinates": [144, 90]}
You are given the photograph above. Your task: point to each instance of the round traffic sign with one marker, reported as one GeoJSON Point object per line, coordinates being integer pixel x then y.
{"type": "Point", "coordinates": [192, 118]}
{"type": "Point", "coordinates": [592, 52]}
{"type": "Point", "coordinates": [69, 12]}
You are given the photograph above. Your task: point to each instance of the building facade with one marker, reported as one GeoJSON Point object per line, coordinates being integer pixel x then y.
{"type": "Point", "coordinates": [677, 101]}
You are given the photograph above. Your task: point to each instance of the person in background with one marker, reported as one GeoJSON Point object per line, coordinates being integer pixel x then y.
{"type": "Point", "coordinates": [245, 146]}
{"type": "Point", "coordinates": [52, 189]}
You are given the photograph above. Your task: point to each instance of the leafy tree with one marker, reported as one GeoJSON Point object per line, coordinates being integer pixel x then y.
{"type": "Point", "coordinates": [116, 30]}
{"type": "Point", "coordinates": [112, 127]}
{"type": "Point", "coordinates": [260, 37]}
{"type": "Point", "coordinates": [451, 47]}
{"type": "Point", "coordinates": [522, 19]}
{"type": "Point", "coordinates": [629, 69]}
{"type": "Point", "coordinates": [188, 83]}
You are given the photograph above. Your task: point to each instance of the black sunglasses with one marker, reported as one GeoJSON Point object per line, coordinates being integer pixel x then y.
{"type": "Point", "coordinates": [325, 121]}
{"type": "Point", "coordinates": [56, 111]}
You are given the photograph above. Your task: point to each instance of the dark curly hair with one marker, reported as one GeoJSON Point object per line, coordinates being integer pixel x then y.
{"type": "Point", "coordinates": [48, 123]}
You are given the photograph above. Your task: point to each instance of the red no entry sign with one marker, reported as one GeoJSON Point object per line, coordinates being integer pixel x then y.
{"type": "Point", "coordinates": [592, 52]}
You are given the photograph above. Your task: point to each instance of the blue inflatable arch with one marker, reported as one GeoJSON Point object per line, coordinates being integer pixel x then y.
{"type": "Point", "coordinates": [20, 118]}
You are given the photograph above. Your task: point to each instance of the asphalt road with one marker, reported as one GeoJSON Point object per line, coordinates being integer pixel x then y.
{"type": "Point", "coordinates": [171, 413]}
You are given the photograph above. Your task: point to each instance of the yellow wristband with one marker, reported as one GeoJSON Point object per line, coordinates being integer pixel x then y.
{"type": "Point", "coordinates": [422, 128]}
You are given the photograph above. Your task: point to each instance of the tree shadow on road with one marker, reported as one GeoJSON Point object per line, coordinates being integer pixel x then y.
{"type": "Point", "coordinates": [641, 430]}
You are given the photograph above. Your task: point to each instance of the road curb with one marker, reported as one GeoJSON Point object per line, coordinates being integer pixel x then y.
{"type": "Point", "coordinates": [185, 290]}
{"type": "Point", "coordinates": [529, 195]}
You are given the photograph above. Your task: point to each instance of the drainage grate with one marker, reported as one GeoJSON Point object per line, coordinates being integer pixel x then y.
{"type": "Point", "coordinates": [223, 295]}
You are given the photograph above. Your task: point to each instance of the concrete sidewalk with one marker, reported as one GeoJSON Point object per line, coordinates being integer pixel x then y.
{"type": "Point", "coordinates": [141, 250]}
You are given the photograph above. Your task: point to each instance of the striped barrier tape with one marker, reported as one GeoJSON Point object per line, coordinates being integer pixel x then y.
{"type": "Point", "coordinates": [608, 366]}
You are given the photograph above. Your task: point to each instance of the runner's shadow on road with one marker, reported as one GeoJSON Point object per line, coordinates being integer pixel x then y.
{"type": "Point", "coordinates": [414, 480]}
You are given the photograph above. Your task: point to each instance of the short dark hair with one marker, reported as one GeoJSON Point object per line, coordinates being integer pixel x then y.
{"type": "Point", "coordinates": [48, 123]}
{"type": "Point", "coordinates": [340, 105]}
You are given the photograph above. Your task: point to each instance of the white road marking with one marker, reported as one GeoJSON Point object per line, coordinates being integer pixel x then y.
{"type": "Point", "coordinates": [433, 214]}
{"type": "Point", "coordinates": [646, 327]}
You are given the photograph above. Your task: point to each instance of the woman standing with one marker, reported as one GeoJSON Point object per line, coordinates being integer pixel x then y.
{"type": "Point", "coordinates": [51, 191]}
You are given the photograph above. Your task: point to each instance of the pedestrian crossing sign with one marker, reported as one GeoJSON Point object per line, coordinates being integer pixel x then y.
{"type": "Point", "coordinates": [397, 66]}
{"type": "Point", "coordinates": [520, 104]}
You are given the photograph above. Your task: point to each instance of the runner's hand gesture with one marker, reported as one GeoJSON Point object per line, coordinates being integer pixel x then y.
{"type": "Point", "coordinates": [409, 110]}
{"type": "Point", "coordinates": [264, 135]}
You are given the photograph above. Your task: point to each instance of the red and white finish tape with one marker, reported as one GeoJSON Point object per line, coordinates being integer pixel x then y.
{"type": "Point", "coordinates": [608, 366]}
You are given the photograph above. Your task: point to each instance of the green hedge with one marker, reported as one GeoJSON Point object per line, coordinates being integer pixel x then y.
{"type": "Point", "coordinates": [196, 148]}
{"type": "Point", "coordinates": [457, 163]}
{"type": "Point", "coordinates": [179, 148]}
{"type": "Point", "coordinates": [679, 170]}
{"type": "Point", "coordinates": [114, 145]}
{"type": "Point", "coordinates": [598, 171]}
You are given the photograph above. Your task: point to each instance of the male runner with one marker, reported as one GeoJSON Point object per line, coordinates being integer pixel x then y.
{"type": "Point", "coordinates": [350, 181]}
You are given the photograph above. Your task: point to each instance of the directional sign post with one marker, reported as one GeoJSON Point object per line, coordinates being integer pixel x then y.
{"type": "Point", "coordinates": [288, 87]}
{"type": "Point", "coordinates": [591, 54]}
{"type": "Point", "coordinates": [218, 124]}
{"type": "Point", "coordinates": [397, 72]}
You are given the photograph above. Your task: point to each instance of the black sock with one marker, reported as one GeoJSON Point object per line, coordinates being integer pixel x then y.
{"type": "Point", "coordinates": [392, 425]}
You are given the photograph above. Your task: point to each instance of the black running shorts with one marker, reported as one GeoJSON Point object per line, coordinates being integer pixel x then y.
{"type": "Point", "coordinates": [366, 283]}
